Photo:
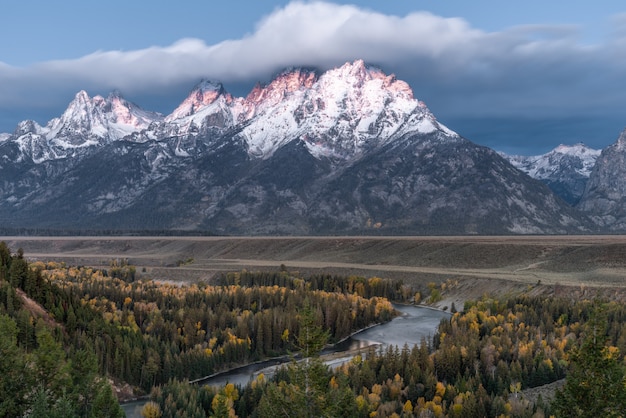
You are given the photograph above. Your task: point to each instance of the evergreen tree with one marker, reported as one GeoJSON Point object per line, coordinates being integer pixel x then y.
{"type": "Point", "coordinates": [312, 337]}
{"type": "Point", "coordinates": [18, 272]}
{"type": "Point", "coordinates": [596, 383]}
{"type": "Point", "coordinates": [40, 407]}
{"type": "Point", "coordinates": [51, 368]}
{"type": "Point", "coordinates": [84, 377]}
{"type": "Point", "coordinates": [105, 405]}
{"type": "Point", "coordinates": [308, 392]}
{"type": "Point", "coordinates": [15, 375]}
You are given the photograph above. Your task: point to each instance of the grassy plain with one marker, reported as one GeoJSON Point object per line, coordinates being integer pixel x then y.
{"type": "Point", "coordinates": [571, 266]}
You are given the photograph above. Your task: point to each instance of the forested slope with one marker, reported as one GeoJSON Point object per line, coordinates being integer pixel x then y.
{"type": "Point", "coordinates": [144, 333]}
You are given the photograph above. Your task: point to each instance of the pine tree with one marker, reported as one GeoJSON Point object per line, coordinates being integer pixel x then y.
{"type": "Point", "coordinates": [15, 375]}
{"type": "Point", "coordinates": [105, 405]}
{"type": "Point", "coordinates": [312, 337]}
{"type": "Point", "coordinates": [308, 392]}
{"type": "Point", "coordinates": [596, 383]}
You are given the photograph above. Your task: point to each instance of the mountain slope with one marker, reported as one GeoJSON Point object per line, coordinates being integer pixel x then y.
{"type": "Point", "coordinates": [345, 151]}
{"type": "Point", "coordinates": [604, 198]}
{"type": "Point", "coordinates": [434, 187]}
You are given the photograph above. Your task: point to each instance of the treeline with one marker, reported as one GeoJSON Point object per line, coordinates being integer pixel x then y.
{"type": "Point", "coordinates": [40, 375]}
{"type": "Point", "coordinates": [475, 366]}
{"type": "Point", "coordinates": [356, 285]}
{"type": "Point", "coordinates": [146, 333]}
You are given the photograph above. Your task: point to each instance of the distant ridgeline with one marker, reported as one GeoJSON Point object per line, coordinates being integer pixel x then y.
{"type": "Point", "coordinates": [50, 232]}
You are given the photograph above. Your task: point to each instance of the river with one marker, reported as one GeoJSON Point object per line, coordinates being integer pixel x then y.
{"type": "Point", "coordinates": [410, 327]}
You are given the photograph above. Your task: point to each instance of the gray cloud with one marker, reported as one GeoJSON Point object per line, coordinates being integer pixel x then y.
{"type": "Point", "coordinates": [532, 72]}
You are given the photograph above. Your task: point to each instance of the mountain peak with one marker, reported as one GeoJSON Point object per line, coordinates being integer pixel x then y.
{"type": "Point", "coordinates": [338, 114]}
{"type": "Point", "coordinates": [621, 141]}
{"type": "Point", "coordinates": [81, 97]}
{"type": "Point", "coordinates": [204, 94]}
{"type": "Point", "coordinates": [27, 126]}
{"type": "Point", "coordinates": [575, 149]}
{"type": "Point", "coordinates": [206, 86]}
{"type": "Point", "coordinates": [80, 101]}
{"type": "Point", "coordinates": [357, 68]}
{"type": "Point", "coordinates": [87, 121]}
{"type": "Point", "coordinates": [115, 95]}
{"type": "Point", "coordinates": [286, 82]}
{"type": "Point", "coordinates": [566, 169]}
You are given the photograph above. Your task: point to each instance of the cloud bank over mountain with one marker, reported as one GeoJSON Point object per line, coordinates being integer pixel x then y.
{"type": "Point", "coordinates": [535, 73]}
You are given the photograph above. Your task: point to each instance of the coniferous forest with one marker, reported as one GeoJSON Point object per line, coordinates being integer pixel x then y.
{"type": "Point", "coordinates": [70, 335]}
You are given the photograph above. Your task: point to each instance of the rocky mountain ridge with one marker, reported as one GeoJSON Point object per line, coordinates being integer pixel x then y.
{"type": "Point", "coordinates": [565, 169]}
{"type": "Point", "coordinates": [347, 151]}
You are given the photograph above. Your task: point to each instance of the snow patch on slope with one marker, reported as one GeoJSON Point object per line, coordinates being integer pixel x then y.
{"type": "Point", "coordinates": [582, 160]}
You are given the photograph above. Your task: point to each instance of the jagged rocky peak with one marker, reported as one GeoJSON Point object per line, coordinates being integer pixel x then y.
{"type": "Point", "coordinates": [620, 144]}
{"type": "Point", "coordinates": [357, 71]}
{"type": "Point", "coordinates": [82, 112]}
{"type": "Point", "coordinates": [27, 126]}
{"type": "Point", "coordinates": [204, 94]}
{"type": "Point", "coordinates": [361, 90]}
{"type": "Point", "coordinates": [368, 103]}
{"type": "Point", "coordinates": [126, 113]}
{"type": "Point", "coordinates": [335, 113]}
{"type": "Point", "coordinates": [284, 84]}
{"type": "Point", "coordinates": [88, 121]}
{"type": "Point", "coordinates": [357, 74]}
{"type": "Point", "coordinates": [80, 99]}
{"type": "Point", "coordinates": [77, 119]}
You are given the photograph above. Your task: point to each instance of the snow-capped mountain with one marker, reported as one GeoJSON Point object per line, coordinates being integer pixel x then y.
{"type": "Point", "coordinates": [341, 114]}
{"type": "Point", "coordinates": [565, 169]}
{"type": "Point", "coordinates": [338, 114]}
{"type": "Point", "coordinates": [349, 150]}
{"type": "Point", "coordinates": [86, 122]}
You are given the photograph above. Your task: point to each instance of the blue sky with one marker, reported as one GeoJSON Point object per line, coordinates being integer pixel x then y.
{"type": "Point", "coordinates": [521, 77]}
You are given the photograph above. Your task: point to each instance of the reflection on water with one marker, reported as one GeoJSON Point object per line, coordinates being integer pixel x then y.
{"type": "Point", "coordinates": [414, 324]}
{"type": "Point", "coordinates": [133, 409]}
{"type": "Point", "coordinates": [242, 375]}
